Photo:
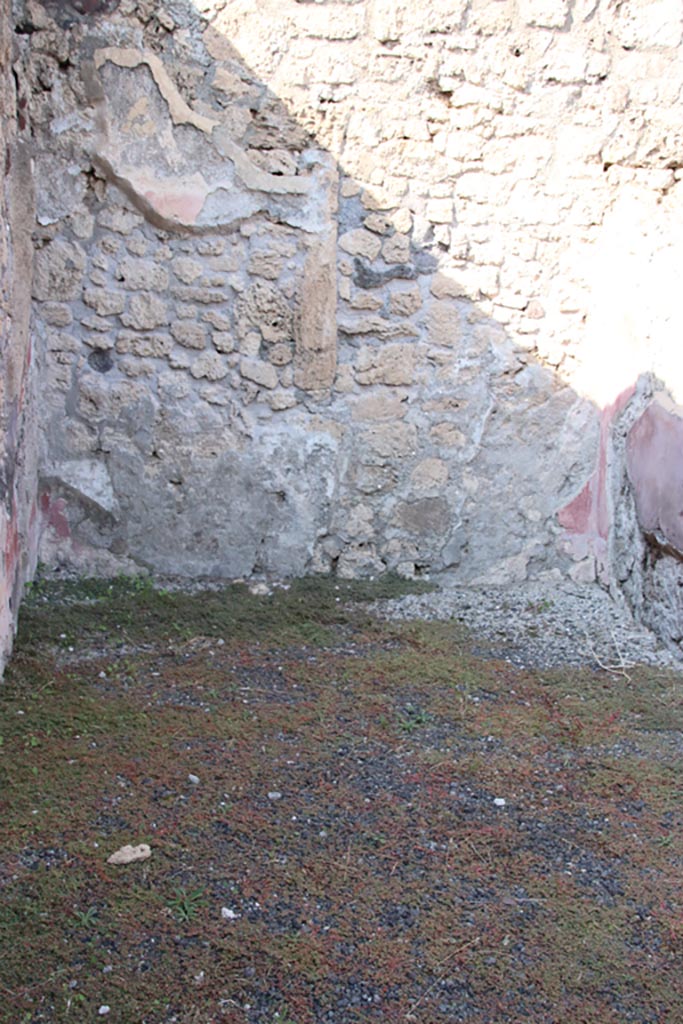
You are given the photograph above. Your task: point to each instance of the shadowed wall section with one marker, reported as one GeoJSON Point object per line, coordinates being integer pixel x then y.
{"type": "Point", "coordinates": [18, 434]}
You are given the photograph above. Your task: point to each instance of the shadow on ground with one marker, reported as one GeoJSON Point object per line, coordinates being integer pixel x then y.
{"type": "Point", "coordinates": [350, 820]}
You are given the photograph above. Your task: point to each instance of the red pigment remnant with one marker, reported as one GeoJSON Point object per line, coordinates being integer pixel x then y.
{"type": "Point", "coordinates": [12, 548]}
{"type": "Point", "coordinates": [184, 207]}
{"type": "Point", "coordinates": [53, 513]}
{"type": "Point", "coordinates": [587, 516]}
{"type": "Point", "coordinates": [653, 461]}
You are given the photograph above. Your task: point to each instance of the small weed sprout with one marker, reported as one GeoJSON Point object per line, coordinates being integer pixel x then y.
{"type": "Point", "coordinates": [412, 718]}
{"type": "Point", "coordinates": [86, 918]}
{"type": "Point", "coordinates": [185, 904]}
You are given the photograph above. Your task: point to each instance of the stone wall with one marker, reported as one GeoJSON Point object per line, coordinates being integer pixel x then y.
{"type": "Point", "coordinates": [347, 286]}
{"type": "Point", "coordinates": [18, 436]}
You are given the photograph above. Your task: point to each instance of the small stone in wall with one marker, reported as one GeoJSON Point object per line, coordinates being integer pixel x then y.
{"type": "Point", "coordinates": [391, 364]}
{"type": "Point", "coordinates": [146, 312]}
{"type": "Point", "coordinates": [544, 13]}
{"type": "Point", "coordinates": [58, 341]}
{"type": "Point", "coordinates": [186, 311]}
{"type": "Point", "coordinates": [381, 405]}
{"type": "Point", "coordinates": [174, 387]}
{"type": "Point", "coordinates": [396, 249]}
{"type": "Point", "coordinates": [220, 321]}
{"type": "Point", "coordinates": [378, 223]}
{"type": "Point", "coordinates": [136, 367]}
{"type": "Point", "coordinates": [263, 306]}
{"type": "Point", "coordinates": [82, 224]}
{"type": "Point", "coordinates": [186, 269]}
{"type": "Point", "coordinates": [119, 220]}
{"type": "Point", "coordinates": [223, 341]}
{"type": "Point", "coordinates": [535, 310]}
{"type": "Point", "coordinates": [251, 344]}
{"type": "Point", "coordinates": [137, 244]}
{"type": "Point", "coordinates": [360, 242]}
{"type": "Point", "coordinates": [390, 440]}
{"type": "Point", "coordinates": [444, 322]}
{"type": "Point", "coordinates": [426, 516]}
{"type": "Point", "coordinates": [146, 345]}
{"type": "Point", "coordinates": [215, 396]}
{"type": "Point", "coordinates": [281, 400]}
{"type": "Point", "coordinates": [210, 246]}
{"type": "Point", "coordinates": [192, 293]}
{"type": "Point", "coordinates": [405, 301]}
{"type": "Point", "coordinates": [274, 161]}
{"type": "Point", "coordinates": [447, 435]}
{"type": "Point", "coordinates": [189, 335]}
{"type": "Point", "coordinates": [179, 360]}
{"type": "Point", "coordinates": [428, 476]}
{"type": "Point", "coordinates": [58, 271]}
{"type": "Point", "coordinates": [402, 220]}
{"type": "Point", "coordinates": [209, 365]}
{"type": "Point", "coordinates": [377, 326]}
{"type": "Point", "coordinates": [440, 211]}
{"type": "Point", "coordinates": [56, 314]}
{"type": "Point", "coordinates": [367, 300]}
{"type": "Point", "coordinates": [96, 323]}
{"type": "Point", "coordinates": [105, 303]}
{"type": "Point", "coordinates": [259, 372]}
{"type": "Point", "coordinates": [266, 264]}
{"type": "Point", "coordinates": [139, 275]}
{"type": "Point", "coordinates": [98, 340]}
{"type": "Point", "coordinates": [281, 354]}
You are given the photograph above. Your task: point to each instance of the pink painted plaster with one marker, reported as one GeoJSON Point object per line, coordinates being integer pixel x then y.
{"type": "Point", "coordinates": [587, 517]}
{"type": "Point", "coordinates": [654, 460]}
{"type": "Point", "coordinates": [183, 207]}
{"type": "Point", "coordinates": [53, 514]}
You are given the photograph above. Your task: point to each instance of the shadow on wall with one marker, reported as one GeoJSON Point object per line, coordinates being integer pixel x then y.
{"type": "Point", "coordinates": [268, 346]}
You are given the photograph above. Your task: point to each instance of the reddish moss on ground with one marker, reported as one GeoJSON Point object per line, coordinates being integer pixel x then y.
{"type": "Point", "coordinates": [384, 827]}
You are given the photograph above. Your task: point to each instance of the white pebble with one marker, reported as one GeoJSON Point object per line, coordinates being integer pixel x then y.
{"type": "Point", "coordinates": [194, 779]}
{"type": "Point", "coordinates": [104, 1010]}
{"type": "Point", "coordinates": [498, 801]}
{"type": "Point", "coordinates": [228, 915]}
{"type": "Point", "coordinates": [274, 795]}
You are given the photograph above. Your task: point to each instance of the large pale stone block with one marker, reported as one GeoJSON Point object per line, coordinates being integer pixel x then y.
{"type": "Point", "coordinates": [58, 271]}
{"type": "Point", "coordinates": [390, 364]}
{"type": "Point", "coordinates": [146, 312]}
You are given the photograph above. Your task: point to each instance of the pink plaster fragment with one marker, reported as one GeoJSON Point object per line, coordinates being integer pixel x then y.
{"type": "Point", "coordinates": [654, 460]}
{"type": "Point", "coordinates": [183, 207]}
{"type": "Point", "coordinates": [53, 513]}
{"type": "Point", "coordinates": [587, 517]}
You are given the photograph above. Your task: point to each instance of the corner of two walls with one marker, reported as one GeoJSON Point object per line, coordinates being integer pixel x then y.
{"type": "Point", "coordinates": [355, 286]}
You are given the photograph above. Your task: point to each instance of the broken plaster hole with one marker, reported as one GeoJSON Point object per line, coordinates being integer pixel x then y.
{"type": "Point", "coordinates": [101, 361]}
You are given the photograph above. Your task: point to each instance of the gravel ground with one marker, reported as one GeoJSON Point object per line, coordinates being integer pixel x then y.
{"type": "Point", "coordinates": [540, 625]}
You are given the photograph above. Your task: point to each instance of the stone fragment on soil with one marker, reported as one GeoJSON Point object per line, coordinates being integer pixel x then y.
{"type": "Point", "coordinates": [130, 854]}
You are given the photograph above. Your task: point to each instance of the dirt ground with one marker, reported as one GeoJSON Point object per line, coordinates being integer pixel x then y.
{"type": "Point", "coordinates": [350, 818]}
